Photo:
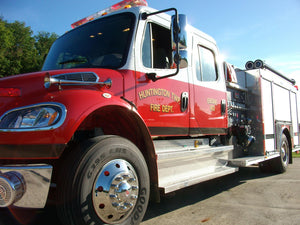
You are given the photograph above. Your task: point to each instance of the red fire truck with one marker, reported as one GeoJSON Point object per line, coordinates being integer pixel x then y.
{"type": "Point", "coordinates": [133, 103]}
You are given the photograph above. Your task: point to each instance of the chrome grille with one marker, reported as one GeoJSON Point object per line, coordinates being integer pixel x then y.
{"type": "Point", "coordinates": [88, 77]}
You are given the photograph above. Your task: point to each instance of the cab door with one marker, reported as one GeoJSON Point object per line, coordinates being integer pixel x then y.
{"type": "Point", "coordinates": [209, 114]}
{"type": "Point", "coordinates": [163, 104]}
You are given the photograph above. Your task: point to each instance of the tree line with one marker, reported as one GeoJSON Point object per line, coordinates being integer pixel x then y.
{"type": "Point", "coordinates": [20, 50]}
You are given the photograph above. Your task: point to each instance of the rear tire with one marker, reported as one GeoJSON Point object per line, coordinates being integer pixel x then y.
{"type": "Point", "coordinates": [280, 164]}
{"type": "Point", "coordinates": [104, 181]}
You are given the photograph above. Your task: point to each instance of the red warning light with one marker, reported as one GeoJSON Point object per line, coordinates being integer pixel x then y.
{"type": "Point", "coordinates": [125, 4]}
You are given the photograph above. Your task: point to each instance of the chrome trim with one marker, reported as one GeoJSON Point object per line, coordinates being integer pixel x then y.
{"type": "Point", "coordinates": [56, 125]}
{"type": "Point", "coordinates": [115, 191]}
{"type": "Point", "coordinates": [12, 188]}
{"type": "Point", "coordinates": [82, 73]}
{"type": "Point", "coordinates": [37, 178]}
{"type": "Point", "coordinates": [48, 81]}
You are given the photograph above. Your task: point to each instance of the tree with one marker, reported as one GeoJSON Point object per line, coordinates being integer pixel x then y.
{"type": "Point", "coordinates": [43, 42]}
{"type": "Point", "coordinates": [5, 46]}
{"type": "Point", "coordinates": [20, 51]}
{"type": "Point", "coordinates": [22, 55]}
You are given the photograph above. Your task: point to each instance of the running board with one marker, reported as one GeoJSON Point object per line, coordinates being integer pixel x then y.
{"type": "Point", "coordinates": [296, 149]}
{"type": "Point", "coordinates": [251, 160]}
{"type": "Point", "coordinates": [182, 163]}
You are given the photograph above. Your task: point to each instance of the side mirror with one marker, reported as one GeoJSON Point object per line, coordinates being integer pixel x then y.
{"type": "Point", "coordinates": [179, 40]}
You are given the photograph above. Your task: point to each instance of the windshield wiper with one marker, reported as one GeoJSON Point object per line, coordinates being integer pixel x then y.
{"type": "Point", "coordinates": [73, 61]}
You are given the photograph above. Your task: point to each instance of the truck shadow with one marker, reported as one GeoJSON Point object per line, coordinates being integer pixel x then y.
{"type": "Point", "coordinates": [169, 203]}
{"type": "Point", "coordinates": [202, 191]}
{"type": "Point", "coordinates": [46, 216]}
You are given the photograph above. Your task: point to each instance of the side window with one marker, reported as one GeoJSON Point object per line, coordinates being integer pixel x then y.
{"type": "Point", "coordinates": [146, 50]}
{"type": "Point", "coordinates": [156, 49]}
{"type": "Point", "coordinates": [206, 65]}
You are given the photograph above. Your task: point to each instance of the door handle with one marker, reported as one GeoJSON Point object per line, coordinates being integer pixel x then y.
{"type": "Point", "coordinates": [223, 107]}
{"type": "Point", "coordinates": [184, 101]}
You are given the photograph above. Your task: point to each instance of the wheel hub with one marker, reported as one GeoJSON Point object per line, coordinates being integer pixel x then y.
{"type": "Point", "coordinates": [115, 191]}
{"type": "Point", "coordinates": [284, 153]}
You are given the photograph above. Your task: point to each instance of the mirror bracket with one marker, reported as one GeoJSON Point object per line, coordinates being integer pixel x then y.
{"type": "Point", "coordinates": [144, 16]}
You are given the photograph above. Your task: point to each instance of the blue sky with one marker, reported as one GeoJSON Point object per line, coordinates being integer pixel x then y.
{"type": "Point", "coordinates": [244, 30]}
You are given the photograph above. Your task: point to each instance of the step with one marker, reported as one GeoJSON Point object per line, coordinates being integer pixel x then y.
{"type": "Point", "coordinates": [186, 148]}
{"type": "Point", "coordinates": [251, 160]}
{"type": "Point", "coordinates": [296, 149]}
{"type": "Point", "coordinates": [181, 163]}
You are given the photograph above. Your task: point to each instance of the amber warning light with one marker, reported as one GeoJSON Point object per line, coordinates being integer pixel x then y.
{"type": "Point", "coordinates": [125, 4]}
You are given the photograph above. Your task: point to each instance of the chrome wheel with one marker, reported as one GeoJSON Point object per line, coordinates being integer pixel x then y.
{"type": "Point", "coordinates": [284, 152]}
{"type": "Point", "coordinates": [115, 191]}
{"type": "Point", "coordinates": [109, 182]}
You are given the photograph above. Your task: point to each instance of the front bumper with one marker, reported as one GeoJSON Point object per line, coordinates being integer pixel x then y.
{"type": "Point", "coordinates": [31, 151]}
{"type": "Point", "coordinates": [25, 186]}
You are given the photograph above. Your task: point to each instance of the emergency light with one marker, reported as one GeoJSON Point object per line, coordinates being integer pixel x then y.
{"type": "Point", "coordinates": [125, 4]}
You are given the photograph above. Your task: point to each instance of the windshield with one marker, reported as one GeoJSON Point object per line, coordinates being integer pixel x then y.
{"type": "Point", "coordinates": [101, 43]}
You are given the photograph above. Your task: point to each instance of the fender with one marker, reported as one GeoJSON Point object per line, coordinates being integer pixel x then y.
{"type": "Point", "coordinates": [78, 100]}
{"type": "Point", "coordinates": [79, 103]}
{"type": "Point", "coordinates": [115, 116]}
{"type": "Point", "coordinates": [86, 109]}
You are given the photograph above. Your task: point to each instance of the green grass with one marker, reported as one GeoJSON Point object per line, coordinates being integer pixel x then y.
{"type": "Point", "coordinates": [295, 155]}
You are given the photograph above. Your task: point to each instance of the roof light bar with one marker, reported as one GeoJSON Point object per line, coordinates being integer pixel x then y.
{"type": "Point", "coordinates": [125, 4]}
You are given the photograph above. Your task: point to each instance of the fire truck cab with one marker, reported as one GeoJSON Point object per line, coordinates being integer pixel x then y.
{"type": "Point", "coordinates": [133, 103]}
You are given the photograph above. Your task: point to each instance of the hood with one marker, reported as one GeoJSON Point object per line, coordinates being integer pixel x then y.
{"type": "Point", "coordinates": [14, 88]}
{"type": "Point", "coordinates": [26, 89]}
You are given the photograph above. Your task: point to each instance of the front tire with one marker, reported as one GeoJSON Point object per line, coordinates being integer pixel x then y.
{"type": "Point", "coordinates": [105, 181]}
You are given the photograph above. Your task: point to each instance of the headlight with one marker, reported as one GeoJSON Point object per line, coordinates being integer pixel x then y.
{"type": "Point", "coordinates": [40, 117]}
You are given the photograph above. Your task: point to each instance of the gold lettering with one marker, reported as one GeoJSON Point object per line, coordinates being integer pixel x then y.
{"type": "Point", "coordinates": [175, 97]}
{"type": "Point", "coordinates": [157, 92]}
{"type": "Point", "coordinates": [167, 108]}
{"type": "Point", "coordinates": [154, 107]}
{"type": "Point", "coordinates": [212, 101]}
{"type": "Point", "coordinates": [212, 108]}
{"type": "Point", "coordinates": [141, 95]}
